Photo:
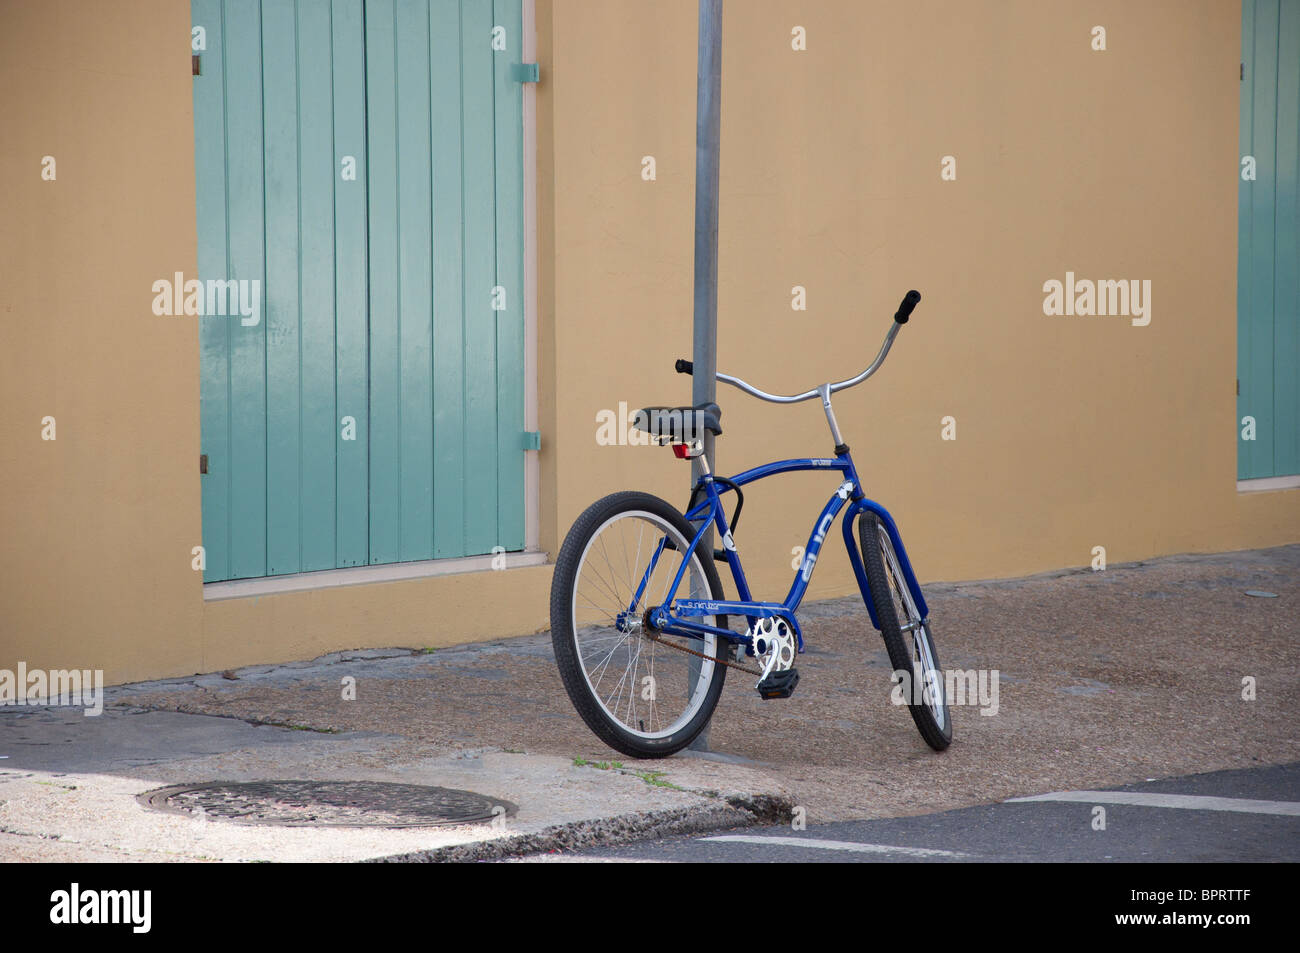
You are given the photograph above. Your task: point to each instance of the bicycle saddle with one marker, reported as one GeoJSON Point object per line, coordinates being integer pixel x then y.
{"type": "Point", "coordinates": [679, 424]}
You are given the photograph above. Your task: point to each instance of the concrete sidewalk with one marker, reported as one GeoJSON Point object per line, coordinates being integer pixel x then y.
{"type": "Point", "coordinates": [1104, 679]}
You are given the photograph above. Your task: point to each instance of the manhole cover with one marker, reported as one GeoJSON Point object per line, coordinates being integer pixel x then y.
{"type": "Point", "coordinates": [327, 803]}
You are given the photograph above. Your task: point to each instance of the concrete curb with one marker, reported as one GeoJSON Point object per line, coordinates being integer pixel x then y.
{"type": "Point", "coordinates": [738, 811]}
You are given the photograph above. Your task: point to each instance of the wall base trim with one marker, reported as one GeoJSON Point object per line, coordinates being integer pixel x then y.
{"type": "Point", "coordinates": [1268, 483]}
{"type": "Point", "coordinates": [364, 575]}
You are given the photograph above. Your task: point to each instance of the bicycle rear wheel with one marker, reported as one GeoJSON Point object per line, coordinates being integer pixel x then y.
{"type": "Point", "coordinates": [910, 643]}
{"type": "Point", "coordinates": [639, 694]}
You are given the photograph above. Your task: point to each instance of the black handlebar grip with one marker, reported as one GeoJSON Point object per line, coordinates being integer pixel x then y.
{"type": "Point", "coordinates": [685, 367]}
{"type": "Point", "coordinates": [910, 301]}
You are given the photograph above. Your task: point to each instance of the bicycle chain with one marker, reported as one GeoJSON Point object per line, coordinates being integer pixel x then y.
{"type": "Point", "coordinates": [681, 648]}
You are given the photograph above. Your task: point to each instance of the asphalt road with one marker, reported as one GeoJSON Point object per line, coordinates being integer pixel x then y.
{"type": "Point", "coordinates": [1250, 815]}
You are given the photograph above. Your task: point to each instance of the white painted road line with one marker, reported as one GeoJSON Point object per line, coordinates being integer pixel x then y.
{"type": "Point", "coordinates": [1186, 802]}
{"type": "Point", "coordinates": [848, 845]}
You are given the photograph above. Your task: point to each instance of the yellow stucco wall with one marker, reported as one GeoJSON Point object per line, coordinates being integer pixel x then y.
{"type": "Point", "coordinates": [1072, 432]}
{"type": "Point", "coordinates": [94, 525]}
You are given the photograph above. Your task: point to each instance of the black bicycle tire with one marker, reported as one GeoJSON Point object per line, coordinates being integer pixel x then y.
{"type": "Point", "coordinates": [891, 631]}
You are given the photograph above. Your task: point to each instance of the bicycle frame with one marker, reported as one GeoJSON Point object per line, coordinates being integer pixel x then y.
{"type": "Point", "coordinates": [675, 616]}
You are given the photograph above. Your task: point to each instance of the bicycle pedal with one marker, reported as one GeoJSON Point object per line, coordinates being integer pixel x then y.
{"type": "Point", "coordinates": [779, 684]}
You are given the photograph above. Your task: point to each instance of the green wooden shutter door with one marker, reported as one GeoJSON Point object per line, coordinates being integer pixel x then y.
{"type": "Point", "coordinates": [401, 348]}
{"type": "Point", "coordinates": [351, 281]}
{"type": "Point", "coordinates": [228, 173]}
{"type": "Point", "coordinates": [213, 261]}
{"type": "Point", "coordinates": [1268, 263]}
{"type": "Point", "coordinates": [449, 480]}
{"type": "Point", "coordinates": [481, 370]}
{"type": "Point", "coordinates": [377, 291]}
{"type": "Point", "coordinates": [510, 276]}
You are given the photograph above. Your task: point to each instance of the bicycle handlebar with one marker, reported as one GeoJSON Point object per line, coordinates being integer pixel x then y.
{"type": "Point", "coordinates": [905, 308]}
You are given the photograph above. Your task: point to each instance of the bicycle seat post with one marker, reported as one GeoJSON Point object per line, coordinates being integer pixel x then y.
{"type": "Point", "coordinates": [824, 391]}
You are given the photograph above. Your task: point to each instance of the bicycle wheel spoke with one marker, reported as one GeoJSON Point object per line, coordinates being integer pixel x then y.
{"type": "Point", "coordinates": [635, 577]}
{"type": "Point", "coordinates": [606, 616]}
{"type": "Point", "coordinates": [632, 685]}
{"type": "Point", "coordinates": [610, 654]}
{"type": "Point", "coordinates": [612, 587]}
{"type": "Point", "coordinates": [604, 584]}
{"type": "Point", "coordinates": [627, 566]}
{"type": "Point", "coordinates": [670, 574]}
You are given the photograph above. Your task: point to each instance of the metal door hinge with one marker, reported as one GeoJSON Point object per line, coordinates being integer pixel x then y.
{"type": "Point", "coordinates": [1243, 70]}
{"type": "Point", "coordinates": [203, 463]}
{"type": "Point", "coordinates": [1238, 386]}
{"type": "Point", "coordinates": [532, 440]}
{"type": "Point", "coordinates": [527, 73]}
{"type": "Point", "coordinates": [195, 65]}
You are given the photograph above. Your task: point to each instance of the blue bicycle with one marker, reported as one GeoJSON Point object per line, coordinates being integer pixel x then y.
{"type": "Point", "coordinates": [638, 617]}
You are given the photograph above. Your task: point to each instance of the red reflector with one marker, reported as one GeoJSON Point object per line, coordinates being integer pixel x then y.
{"type": "Point", "coordinates": [680, 450]}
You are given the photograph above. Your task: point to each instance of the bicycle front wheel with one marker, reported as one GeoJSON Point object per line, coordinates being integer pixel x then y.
{"type": "Point", "coordinates": [636, 689]}
{"type": "Point", "coordinates": [907, 636]}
